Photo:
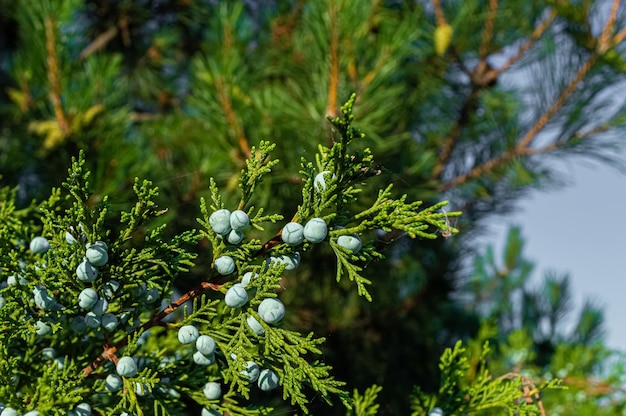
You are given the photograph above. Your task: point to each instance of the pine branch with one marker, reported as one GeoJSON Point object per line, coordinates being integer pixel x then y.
{"type": "Point", "coordinates": [487, 38]}
{"type": "Point", "coordinates": [99, 42]}
{"type": "Point", "coordinates": [333, 82]}
{"type": "Point", "coordinates": [534, 37]}
{"type": "Point", "coordinates": [462, 393]}
{"type": "Point", "coordinates": [522, 148]}
{"type": "Point", "coordinates": [439, 15]}
{"type": "Point", "coordinates": [221, 87]}
{"type": "Point", "coordinates": [481, 77]}
{"type": "Point", "coordinates": [54, 76]}
{"type": "Point", "coordinates": [604, 43]}
{"type": "Point", "coordinates": [619, 36]}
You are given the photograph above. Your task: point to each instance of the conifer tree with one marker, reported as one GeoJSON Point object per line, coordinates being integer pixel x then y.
{"type": "Point", "coordinates": [534, 327]}
{"type": "Point", "coordinates": [470, 102]}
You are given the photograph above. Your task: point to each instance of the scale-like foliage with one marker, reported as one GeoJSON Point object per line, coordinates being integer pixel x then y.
{"type": "Point", "coordinates": [84, 301]}
{"type": "Point", "coordinates": [468, 387]}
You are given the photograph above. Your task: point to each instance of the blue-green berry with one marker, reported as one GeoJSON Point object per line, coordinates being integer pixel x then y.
{"type": "Point", "coordinates": [143, 337]}
{"type": "Point", "coordinates": [351, 242]}
{"type": "Point", "coordinates": [239, 220]}
{"type": "Point", "coordinates": [42, 298]}
{"type": "Point", "coordinates": [173, 393]}
{"type": "Point", "coordinates": [42, 328]}
{"type": "Point", "coordinates": [235, 237]}
{"type": "Point", "coordinates": [86, 271]}
{"type": "Point", "coordinates": [291, 261]}
{"type": "Point", "coordinates": [32, 413]}
{"type": "Point", "coordinates": [268, 380]}
{"type": "Point", "coordinates": [100, 307]}
{"type": "Point", "coordinates": [251, 372]}
{"type": "Point", "coordinates": [293, 233]}
{"type": "Point", "coordinates": [319, 182]}
{"type": "Point", "coordinates": [92, 320]}
{"type": "Point", "coordinates": [109, 321]}
{"type": "Point", "coordinates": [39, 245]}
{"type": "Point", "coordinates": [248, 277]}
{"type": "Point", "coordinates": [60, 362]}
{"type": "Point", "coordinates": [220, 221]}
{"type": "Point", "coordinates": [82, 409]}
{"type": "Point", "coordinates": [138, 290]}
{"type": "Point", "coordinates": [13, 279]}
{"type": "Point", "coordinates": [255, 326]}
{"type": "Point", "coordinates": [78, 324]}
{"type": "Point", "coordinates": [126, 367]}
{"type": "Point", "coordinates": [236, 296]}
{"type": "Point", "coordinates": [212, 390]}
{"type": "Point", "coordinates": [113, 382]}
{"type": "Point", "coordinates": [212, 412]}
{"type": "Point", "coordinates": [315, 230]}
{"type": "Point", "coordinates": [87, 298]}
{"type": "Point", "coordinates": [187, 334]}
{"type": "Point", "coordinates": [151, 295]}
{"type": "Point", "coordinates": [271, 310]}
{"type": "Point", "coordinates": [9, 411]}
{"type": "Point", "coordinates": [97, 255]}
{"type": "Point", "coordinates": [69, 238]}
{"type": "Point", "coordinates": [101, 244]}
{"type": "Point", "coordinates": [2, 301]}
{"type": "Point", "coordinates": [49, 353]}
{"type": "Point", "coordinates": [436, 411]}
{"type": "Point", "coordinates": [224, 265]}
{"type": "Point", "coordinates": [110, 288]}
{"type": "Point", "coordinates": [141, 389]}
{"type": "Point", "coordinates": [202, 359]}
{"type": "Point", "coordinates": [205, 344]}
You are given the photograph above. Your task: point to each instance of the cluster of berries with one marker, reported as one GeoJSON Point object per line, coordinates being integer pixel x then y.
{"type": "Point", "coordinates": [96, 255]}
{"type": "Point", "coordinates": [9, 411]}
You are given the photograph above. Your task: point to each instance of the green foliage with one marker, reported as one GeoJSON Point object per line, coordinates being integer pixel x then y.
{"type": "Point", "coordinates": [525, 326]}
{"type": "Point", "coordinates": [141, 270]}
{"type": "Point", "coordinates": [467, 387]}
{"type": "Point", "coordinates": [365, 405]}
{"type": "Point", "coordinates": [205, 97]}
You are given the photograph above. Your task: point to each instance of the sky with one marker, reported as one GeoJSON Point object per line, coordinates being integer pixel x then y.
{"type": "Point", "coordinates": [580, 230]}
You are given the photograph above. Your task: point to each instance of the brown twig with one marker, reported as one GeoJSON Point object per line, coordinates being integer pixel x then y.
{"type": "Point", "coordinates": [54, 78]}
{"type": "Point", "coordinates": [592, 387]}
{"type": "Point", "coordinates": [547, 116]}
{"type": "Point", "coordinates": [579, 135]}
{"type": "Point", "coordinates": [605, 39]}
{"type": "Point", "coordinates": [523, 146]}
{"type": "Point", "coordinates": [539, 30]}
{"type": "Point", "coordinates": [619, 37]}
{"type": "Point", "coordinates": [530, 391]}
{"type": "Point", "coordinates": [231, 117]}
{"type": "Point", "coordinates": [141, 117]}
{"type": "Point", "coordinates": [454, 134]}
{"type": "Point", "coordinates": [109, 352]}
{"type": "Point", "coordinates": [123, 24]}
{"type": "Point", "coordinates": [385, 53]}
{"type": "Point", "coordinates": [98, 43]}
{"type": "Point", "coordinates": [333, 83]}
{"type": "Point", "coordinates": [440, 18]}
{"type": "Point", "coordinates": [482, 76]}
{"type": "Point", "coordinates": [483, 51]}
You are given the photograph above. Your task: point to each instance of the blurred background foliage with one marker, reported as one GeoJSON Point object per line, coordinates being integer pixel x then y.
{"type": "Point", "coordinates": [470, 101]}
